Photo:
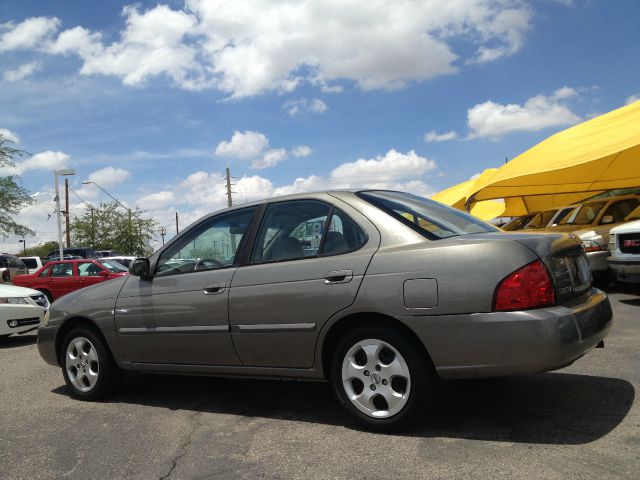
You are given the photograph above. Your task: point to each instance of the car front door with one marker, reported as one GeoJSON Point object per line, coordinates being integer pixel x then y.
{"type": "Point", "coordinates": [181, 314]}
{"type": "Point", "coordinates": [307, 263]}
{"type": "Point", "coordinates": [90, 273]}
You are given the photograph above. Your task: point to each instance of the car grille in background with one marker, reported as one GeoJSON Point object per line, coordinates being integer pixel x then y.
{"type": "Point", "coordinates": [40, 300]}
{"type": "Point", "coordinates": [629, 242]}
{"type": "Point", "coordinates": [23, 322]}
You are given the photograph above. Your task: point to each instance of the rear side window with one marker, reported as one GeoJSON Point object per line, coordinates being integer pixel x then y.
{"type": "Point", "coordinates": [62, 270]}
{"type": "Point", "coordinates": [30, 262]}
{"type": "Point", "coordinates": [343, 235]}
{"type": "Point", "coordinates": [432, 219]}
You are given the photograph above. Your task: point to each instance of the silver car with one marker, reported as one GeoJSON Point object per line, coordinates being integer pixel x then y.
{"type": "Point", "coordinates": [382, 293]}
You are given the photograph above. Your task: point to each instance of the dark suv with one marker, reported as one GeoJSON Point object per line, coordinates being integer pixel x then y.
{"type": "Point", "coordinates": [71, 253]}
{"type": "Point", "coordinates": [10, 266]}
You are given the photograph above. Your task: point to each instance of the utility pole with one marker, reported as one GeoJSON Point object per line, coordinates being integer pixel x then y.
{"type": "Point", "coordinates": [177, 231]}
{"type": "Point", "coordinates": [93, 229]}
{"type": "Point", "coordinates": [66, 213]}
{"type": "Point", "coordinates": [163, 232]}
{"type": "Point", "coordinates": [229, 200]}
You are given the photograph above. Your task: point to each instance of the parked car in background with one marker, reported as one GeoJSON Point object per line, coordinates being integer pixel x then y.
{"type": "Point", "coordinates": [121, 259]}
{"type": "Point", "coordinates": [61, 277]}
{"type": "Point", "coordinates": [624, 245]}
{"type": "Point", "coordinates": [517, 223]}
{"type": "Point", "coordinates": [21, 309]}
{"type": "Point", "coordinates": [108, 253]}
{"type": "Point", "coordinates": [75, 252]}
{"type": "Point", "coordinates": [548, 218]}
{"type": "Point", "coordinates": [591, 222]}
{"type": "Point", "coordinates": [10, 267]}
{"type": "Point", "coordinates": [32, 263]}
{"type": "Point", "coordinates": [379, 292]}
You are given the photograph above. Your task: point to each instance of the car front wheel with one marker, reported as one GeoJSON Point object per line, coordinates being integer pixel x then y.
{"type": "Point", "coordinates": [383, 378]}
{"type": "Point", "coordinates": [87, 366]}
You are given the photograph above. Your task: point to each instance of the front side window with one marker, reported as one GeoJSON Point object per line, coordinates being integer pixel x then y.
{"type": "Point", "coordinates": [586, 214]}
{"type": "Point", "coordinates": [291, 230]}
{"type": "Point", "coordinates": [62, 270]}
{"type": "Point", "coordinates": [431, 219]}
{"type": "Point", "coordinates": [88, 269]}
{"type": "Point", "coordinates": [113, 266]}
{"type": "Point", "coordinates": [211, 245]}
{"type": "Point", "coordinates": [620, 209]}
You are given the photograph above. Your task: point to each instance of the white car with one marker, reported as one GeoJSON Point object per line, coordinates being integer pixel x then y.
{"type": "Point", "coordinates": [624, 244]}
{"type": "Point", "coordinates": [21, 309]}
{"type": "Point", "coordinates": [33, 263]}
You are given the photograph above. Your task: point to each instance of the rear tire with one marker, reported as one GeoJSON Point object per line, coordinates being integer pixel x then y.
{"type": "Point", "coordinates": [383, 378]}
{"type": "Point", "coordinates": [87, 365]}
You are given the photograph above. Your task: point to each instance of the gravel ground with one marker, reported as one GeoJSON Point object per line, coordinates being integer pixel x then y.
{"type": "Point", "coordinates": [580, 422]}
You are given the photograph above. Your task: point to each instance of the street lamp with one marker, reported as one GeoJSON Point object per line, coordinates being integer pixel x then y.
{"type": "Point", "coordinates": [60, 173]}
{"type": "Point", "coordinates": [24, 246]}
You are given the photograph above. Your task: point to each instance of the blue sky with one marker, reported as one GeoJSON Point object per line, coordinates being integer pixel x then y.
{"type": "Point", "coordinates": [153, 100]}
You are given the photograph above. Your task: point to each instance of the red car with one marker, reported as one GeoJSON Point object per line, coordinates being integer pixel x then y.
{"type": "Point", "coordinates": [58, 278]}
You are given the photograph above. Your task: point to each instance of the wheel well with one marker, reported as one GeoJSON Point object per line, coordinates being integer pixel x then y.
{"type": "Point", "coordinates": [356, 320]}
{"type": "Point", "coordinates": [70, 325]}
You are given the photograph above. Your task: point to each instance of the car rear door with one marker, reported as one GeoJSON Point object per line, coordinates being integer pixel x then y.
{"type": "Point", "coordinates": [307, 263]}
{"type": "Point", "coordinates": [181, 315]}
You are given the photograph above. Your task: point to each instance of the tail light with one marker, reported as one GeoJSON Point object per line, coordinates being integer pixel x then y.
{"type": "Point", "coordinates": [528, 287]}
{"type": "Point", "coordinates": [591, 246]}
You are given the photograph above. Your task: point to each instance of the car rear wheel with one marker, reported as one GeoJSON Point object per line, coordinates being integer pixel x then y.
{"type": "Point", "coordinates": [383, 378]}
{"type": "Point", "coordinates": [87, 366]}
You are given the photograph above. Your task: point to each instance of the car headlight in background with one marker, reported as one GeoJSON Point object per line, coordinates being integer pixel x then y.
{"type": "Point", "coordinates": [591, 246]}
{"type": "Point", "coordinates": [13, 301]}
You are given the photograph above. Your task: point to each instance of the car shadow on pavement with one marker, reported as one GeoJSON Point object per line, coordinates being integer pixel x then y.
{"type": "Point", "coordinates": [549, 408]}
{"type": "Point", "coordinates": [16, 341]}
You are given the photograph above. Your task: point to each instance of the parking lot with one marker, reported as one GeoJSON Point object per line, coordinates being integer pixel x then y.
{"type": "Point", "coordinates": [580, 422]}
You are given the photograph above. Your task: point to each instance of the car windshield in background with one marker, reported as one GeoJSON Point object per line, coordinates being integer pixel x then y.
{"type": "Point", "coordinates": [585, 214]}
{"type": "Point", "coordinates": [433, 220]}
{"type": "Point", "coordinates": [113, 266]}
{"type": "Point", "coordinates": [517, 223]}
{"type": "Point", "coordinates": [541, 219]}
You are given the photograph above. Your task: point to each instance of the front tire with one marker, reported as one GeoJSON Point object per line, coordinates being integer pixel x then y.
{"type": "Point", "coordinates": [87, 365]}
{"type": "Point", "coordinates": [383, 378]}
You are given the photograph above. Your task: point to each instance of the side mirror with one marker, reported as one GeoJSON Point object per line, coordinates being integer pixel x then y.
{"type": "Point", "coordinates": [607, 219]}
{"type": "Point", "coordinates": [140, 267]}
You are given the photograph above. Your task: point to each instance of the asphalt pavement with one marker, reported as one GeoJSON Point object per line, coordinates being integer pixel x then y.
{"type": "Point", "coordinates": [580, 422]}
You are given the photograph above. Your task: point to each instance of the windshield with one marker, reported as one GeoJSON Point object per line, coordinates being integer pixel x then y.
{"type": "Point", "coordinates": [113, 266]}
{"type": "Point", "coordinates": [541, 219]}
{"type": "Point", "coordinates": [431, 219]}
{"type": "Point", "coordinates": [585, 214]}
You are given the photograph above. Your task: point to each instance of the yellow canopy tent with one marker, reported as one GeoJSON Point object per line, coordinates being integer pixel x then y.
{"type": "Point", "coordinates": [600, 154]}
{"type": "Point", "coordinates": [456, 197]}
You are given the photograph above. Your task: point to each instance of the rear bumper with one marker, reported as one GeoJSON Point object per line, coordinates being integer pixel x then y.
{"type": "Point", "coordinates": [598, 260]}
{"type": "Point", "coordinates": [507, 343]}
{"type": "Point", "coordinates": [625, 270]}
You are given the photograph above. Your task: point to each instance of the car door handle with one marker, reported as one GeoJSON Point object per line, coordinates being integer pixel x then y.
{"type": "Point", "coordinates": [214, 288]}
{"type": "Point", "coordinates": [338, 276]}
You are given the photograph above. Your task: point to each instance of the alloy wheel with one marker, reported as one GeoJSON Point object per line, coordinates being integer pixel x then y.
{"type": "Point", "coordinates": [82, 364]}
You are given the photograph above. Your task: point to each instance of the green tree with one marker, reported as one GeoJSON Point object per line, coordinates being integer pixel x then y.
{"type": "Point", "coordinates": [13, 197]}
{"type": "Point", "coordinates": [42, 249]}
{"type": "Point", "coordinates": [107, 227]}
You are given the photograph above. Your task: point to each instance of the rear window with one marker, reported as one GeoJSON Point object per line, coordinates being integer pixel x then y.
{"type": "Point", "coordinates": [433, 220]}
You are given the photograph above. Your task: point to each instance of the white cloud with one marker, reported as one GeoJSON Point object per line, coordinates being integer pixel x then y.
{"type": "Point", "coordinates": [301, 151]}
{"type": "Point", "coordinates": [434, 136]}
{"type": "Point", "coordinates": [48, 160]}
{"type": "Point", "coordinates": [632, 99]}
{"type": "Point", "coordinates": [23, 71]}
{"type": "Point", "coordinates": [314, 105]}
{"type": "Point", "coordinates": [156, 200]}
{"type": "Point", "coordinates": [490, 119]}
{"type": "Point", "coordinates": [109, 176]}
{"type": "Point", "coordinates": [564, 92]}
{"type": "Point", "coordinates": [28, 34]}
{"type": "Point", "coordinates": [247, 144]}
{"type": "Point", "coordinates": [9, 135]}
{"type": "Point", "coordinates": [270, 158]}
{"type": "Point", "coordinates": [251, 47]}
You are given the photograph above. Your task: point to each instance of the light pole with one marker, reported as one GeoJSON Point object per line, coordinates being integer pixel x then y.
{"type": "Point", "coordinates": [24, 246]}
{"type": "Point", "coordinates": [123, 206]}
{"type": "Point", "coordinates": [60, 173]}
